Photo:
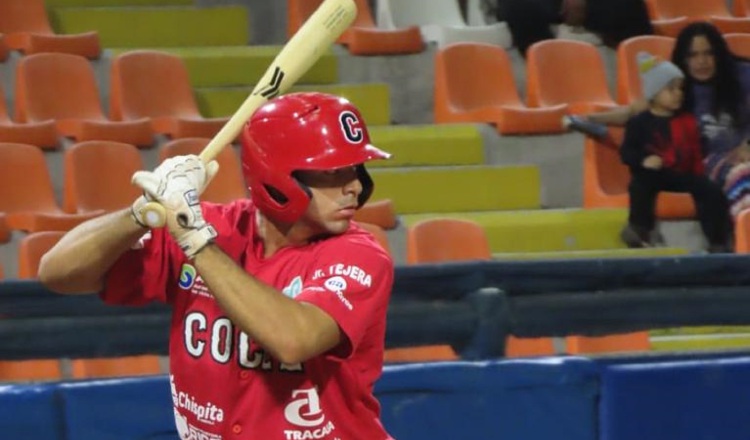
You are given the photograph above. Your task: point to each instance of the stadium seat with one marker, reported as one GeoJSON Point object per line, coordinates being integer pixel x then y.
{"type": "Point", "coordinates": [606, 178]}
{"type": "Point", "coordinates": [115, 367]}
{"type": "Point", "coordinates": [380, 213]}
{"type": "Point", "coordinates": [582, 83]}
{"type": "Point", "coordinates": [742, 233]}
{"type": "Point", "coordinates": [31, 249]}
{"type": "Point", "coordinates": [26, 192]}
{"type": "Point", "coordinates": [4, 51]}
{"type": "Point", "coordinates": [486, 92]}
{"type": "Point", "coordinates": [363, 37]}
{"type": "Point", "coordinates": [4, 229]}
{"type": "Point", "coordinates": [31, 370]}
{"type": "Point", "coordinates": [741, 8]}
{"type": "Point", "coordinates": [426, 353]}
{"type": "Point", "coordinates": [228, 185]}
{"type": "Point", "coordinates": [669, 16]}
{"type": "Point", "coordinates": [440, 21]}
{"type": "Point", "coordinates": [628, 77]}
{"type": "Point", "coordinates": [739, 44]}
{"type": "Point", "coordinates": [379, 233]}
{"type": "Point", "coordinates": [27, 28]}
{"type": "Point", "coordinates": [156, 86]}
{"type": "Point", "coordinates": [41, 134]}
{"type": "Point", "coordinates": [446, 239]}
{"type": "Point", "coordinates": [63, 88]}
{"type": "Point", "coordinates": [97, 176]}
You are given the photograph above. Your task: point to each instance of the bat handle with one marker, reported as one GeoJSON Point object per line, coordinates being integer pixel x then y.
{"type": "Point", "coordinates": [153, 215]}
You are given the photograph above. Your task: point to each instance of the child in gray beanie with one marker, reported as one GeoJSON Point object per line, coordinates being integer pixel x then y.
{"type": "Point", "coordinates": [662, 147]}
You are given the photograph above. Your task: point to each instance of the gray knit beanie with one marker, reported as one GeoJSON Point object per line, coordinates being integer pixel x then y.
{"type": "Point", "coordinates": [655, 74]}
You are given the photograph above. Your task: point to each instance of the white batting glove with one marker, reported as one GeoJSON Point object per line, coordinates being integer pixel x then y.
{"type": "Point", "coordinates": [176, 184]}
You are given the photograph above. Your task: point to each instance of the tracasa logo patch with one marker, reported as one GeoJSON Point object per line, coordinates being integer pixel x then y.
{"type": "Point", "coordinates": [294, 288]}
{"type": "Point", "coordinates": [352, 127]}
{"type": "Point", "coordinates": [187, 277]}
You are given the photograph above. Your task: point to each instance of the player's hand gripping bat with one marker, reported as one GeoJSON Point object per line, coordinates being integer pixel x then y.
{"type": "Point", "coordinates": [323, 27]}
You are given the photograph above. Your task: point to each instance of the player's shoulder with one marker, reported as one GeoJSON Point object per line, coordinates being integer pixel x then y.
{"type": "Point", "coordinates": [356, 243]}
{"type": "Point", "coordinates": [229, 214]}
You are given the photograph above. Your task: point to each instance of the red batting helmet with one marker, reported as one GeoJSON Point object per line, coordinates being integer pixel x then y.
{"type": "Point", "coordinates": [302, 131]}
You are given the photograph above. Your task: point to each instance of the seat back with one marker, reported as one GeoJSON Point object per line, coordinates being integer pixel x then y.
{"type": "Point", "coordinates": [700, 9]}
{"type": "Point", "coordinates": [487, 82]}
{"type": "Point", "coordinates": [405, 13]}
{"type": "Point", "coordinates": [31, 249]}
{"type": "Point", "coordinates": [611, 174]}
{"type": "Point", "coordinates": [25, 183]}
{"type": "Point", "coordinates": [629, 86]}
{"type": "Point", "coordinates": [739, 44]}
{"type": "Point", "coordinates": [149, 83]}
{"type": "Point", "coordinates": [545, 88]}
{"type": "Point", "coordinates": [379, 213]}
{"type": "Point", "coordinates": [379, 233]}
{"type": "Point", "coordinates": [115, 367]}
{"type": "Point", "coordinates": [97, 176]}
{"type": "Point", "coordinates": [741, 8]}
{"type": "Point", "coordinates": [24, 16]}
{"type": "Point", "coordinates": [31, 370]}
{"type": "Point", "coordinates": [446, 239]}
{"type": "Point", "coordinates": [56, 86]}
{"type": "Point", "coordinates": [298, 11]}
{"type": "Point", "coordinates": [4, 114]}
{"type": "Point", "coordinates": [742, 232]}
{"type": "Point", "coordinates": [228, 185]}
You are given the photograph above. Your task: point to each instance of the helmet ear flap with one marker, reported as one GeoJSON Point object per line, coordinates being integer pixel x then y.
{"type": "Point", "coordinates": [368, 186]}
{"type": "Point", "coordinates": [284, 200]}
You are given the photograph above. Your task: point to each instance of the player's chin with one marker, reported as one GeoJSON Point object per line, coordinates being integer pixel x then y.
{"type": "Point", "coordinates": [337, 226]}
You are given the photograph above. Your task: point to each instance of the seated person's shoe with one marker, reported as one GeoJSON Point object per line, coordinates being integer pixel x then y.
{"type": "Point", "coordinates": [635, 237]}
{"type": "Point", "coordinates": [583, 125]}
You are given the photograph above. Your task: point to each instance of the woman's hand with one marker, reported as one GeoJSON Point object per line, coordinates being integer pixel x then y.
{"type": "Point", "coordinates": [742, 152]}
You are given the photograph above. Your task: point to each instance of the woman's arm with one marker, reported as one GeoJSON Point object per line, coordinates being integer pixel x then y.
{"type": "Point", "coordinates": [79, 261]}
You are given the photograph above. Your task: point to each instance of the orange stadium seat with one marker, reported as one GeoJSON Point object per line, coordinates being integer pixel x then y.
{"type": "Point", "coordinates": [156, 85]}
{"type": "Point", "coordinates": [741, 8]}
{"type": "Point", "coordinates": [585, 92]}
{"type": "Point", "coordinates": [606, 178]}
{"type": "Point", "coordinates": [486, 92]}
{"type": "Point", "coordinates": [669, 16]}
{"type": "Point", "coordinates": [42, 134]}
{"type": "Point", "coordinates": [739, 44]}
{"type": "Point", "coordinates": [742, 233]}
{"type": "Point", "coordinates": [628, 77]}
{"type": "Point", "coordinates": [31, 370]}
{"type": "Point", "coordinates": [380, 213]}
{"type": "Point", "coordinates": [27, 28]}
{"type": "Point", "coordinates": [4, 229]}
{"type": "Point", "coordinates": [115, 367]}
{"type": "Point", "coordinates": [97, 176]}
{"type": "Point", "coordinates": [4, 51]}
{"type": "Point", "coordinates": [228, 185]}
{"type": "Point", "coordinates": [445, 239]}
{"type": "Point", "coordinates": [379, 233]}
{"type": "Point", "coordinates": [26, 192]}
{"type": "Point", "coordinates": [363, 37]}
{"type": "Point", "coordinates": [30, 251]}
{"type": "Point", "coordinates": [63, 88]}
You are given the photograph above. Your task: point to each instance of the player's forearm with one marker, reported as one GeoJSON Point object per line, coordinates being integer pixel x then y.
{"type": "Point", "coordinates": [79, 261]}
{"type": "Point", "coordinates": [290, 331]}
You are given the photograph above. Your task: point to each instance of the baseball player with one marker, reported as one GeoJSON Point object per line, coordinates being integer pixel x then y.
{"type": "Point", "coordinates": [279, 302]}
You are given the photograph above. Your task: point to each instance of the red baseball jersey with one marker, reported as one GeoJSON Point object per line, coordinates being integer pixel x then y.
{"type": "Point", "coordinates": [224, 385]}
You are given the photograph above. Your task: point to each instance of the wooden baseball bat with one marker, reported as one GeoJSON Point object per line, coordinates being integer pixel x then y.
{"type": "Point", "coordinates": [307, 45]}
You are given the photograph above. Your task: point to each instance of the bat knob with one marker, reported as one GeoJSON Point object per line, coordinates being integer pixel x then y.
{"type": "Point", "coordinates": [154, 215]}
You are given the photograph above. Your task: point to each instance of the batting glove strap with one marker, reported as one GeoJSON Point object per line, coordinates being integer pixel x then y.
{"type": "Point", "coordinates": [194, 240]}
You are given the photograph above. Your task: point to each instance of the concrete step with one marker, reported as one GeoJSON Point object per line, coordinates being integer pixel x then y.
{"type": "Point", "coordinates": [428, 145]}
{"type": "Point", "coordinates": [241, 65]}
{"type": "Point", "coordinates": [173, 26]}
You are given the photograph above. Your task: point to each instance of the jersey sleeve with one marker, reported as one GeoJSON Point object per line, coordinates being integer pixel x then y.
{"type": "Point", "coordinates": [141, 274]}
{"type": "Point", "coordinates": [352, 283]}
